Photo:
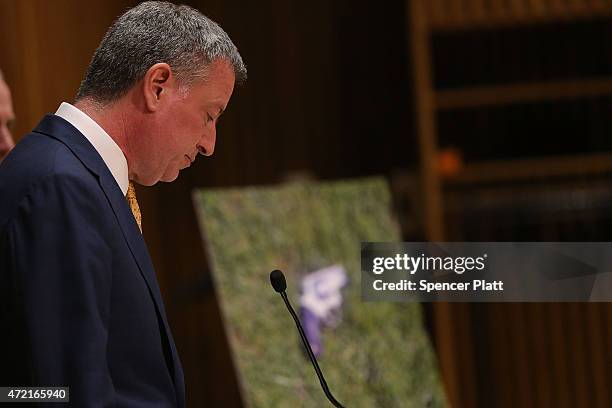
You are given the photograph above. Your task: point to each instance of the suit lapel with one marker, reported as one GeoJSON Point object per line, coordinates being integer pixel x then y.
{"type": "Point", "coordinates": [63, 131]}
{"type": "Point", "coordinates": [136, 242]}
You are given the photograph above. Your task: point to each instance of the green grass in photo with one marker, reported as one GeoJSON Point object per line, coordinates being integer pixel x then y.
{"type": "Point", "coordinates": [379, 356]}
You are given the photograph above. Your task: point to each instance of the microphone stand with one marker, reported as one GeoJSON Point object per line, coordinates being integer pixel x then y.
{"type": "Point", "coordinates": [313, 359]}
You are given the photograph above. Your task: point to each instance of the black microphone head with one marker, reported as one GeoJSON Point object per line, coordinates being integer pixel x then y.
{"type": "Point", "coordinates": [277, 279]}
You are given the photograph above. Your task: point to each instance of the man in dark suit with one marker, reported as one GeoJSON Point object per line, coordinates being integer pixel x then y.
{"type": "Point", "coordinates": [79, 302]}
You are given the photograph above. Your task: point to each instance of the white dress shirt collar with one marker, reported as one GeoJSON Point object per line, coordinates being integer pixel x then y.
{"type": "Point", "coordinates": [105, 146]}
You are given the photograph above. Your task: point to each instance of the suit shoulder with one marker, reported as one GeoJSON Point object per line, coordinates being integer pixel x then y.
{"type": "Point", "coordinates": [40, 163]}
{"type": "Point", "coordinates": [37, 155]}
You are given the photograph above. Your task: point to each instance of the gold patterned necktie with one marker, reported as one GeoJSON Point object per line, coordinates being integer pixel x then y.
{"type": "Point", "coordinates": [131, 199]}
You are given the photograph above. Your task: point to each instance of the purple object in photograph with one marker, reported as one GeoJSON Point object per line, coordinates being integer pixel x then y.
{"type": "Point", "coordinates": [321, 302]}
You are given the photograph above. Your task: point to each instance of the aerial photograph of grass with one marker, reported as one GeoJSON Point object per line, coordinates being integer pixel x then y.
{"type": "Point", "coordinates": [375, 354]}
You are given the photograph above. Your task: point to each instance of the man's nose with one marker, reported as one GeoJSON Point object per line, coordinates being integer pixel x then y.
{"type": "Point", "coordinates": [206, 146]}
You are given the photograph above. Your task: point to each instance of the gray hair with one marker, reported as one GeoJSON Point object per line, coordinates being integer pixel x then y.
{"type": "Point", "coordinates": [153, 32]}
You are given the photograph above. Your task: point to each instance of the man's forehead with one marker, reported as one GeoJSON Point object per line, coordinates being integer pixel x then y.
{"type": "Point", "coordinates": [219, 71]}
{"type": "Point", "coordinates": [217, 86]}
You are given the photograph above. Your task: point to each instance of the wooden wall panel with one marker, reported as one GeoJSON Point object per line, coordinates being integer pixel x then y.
{"type": "Point", "coordinates": [45, 47]}
{"type": "Point", "coordinates": [542, 355]}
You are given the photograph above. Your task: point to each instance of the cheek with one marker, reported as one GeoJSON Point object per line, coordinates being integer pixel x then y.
{"type": "Point", "coordinates": [184, 131]}
{"type": "Point", "coordinates": [183, 124]}
{"type": "Point", "coordinates": [193, 120]}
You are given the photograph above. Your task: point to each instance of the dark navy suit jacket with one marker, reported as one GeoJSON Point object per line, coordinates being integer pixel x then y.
{"type": "Point", "coordinates": [79, 301]}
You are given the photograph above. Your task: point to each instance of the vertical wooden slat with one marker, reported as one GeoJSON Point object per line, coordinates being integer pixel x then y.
{"type": "Point", "coordinates": [499, 330]}
{"type": "Point", "coordinates": [579, 6]}
{"type": "Point", "coordinates": [465, 352]}
{"type": "Point", "coordinates": [537, 326]}
{"type": "Point", "coordinates": [444, 313]}
{"type": "Point", "coordinates": [426, 121]}
{"type": "Point", "coordinates": [537, 7]}
{"type": "Point", "coordinates": [559, 368]}
{"type": "Point", "coordinates": [581, 372]}
{"type": "Point", "coordinates": [31, 65]}
{"type": "Point", "coordinates": [597, 347]}
{"type": "Point", "coordinates": [556, 7]}
{"type": "Point", "coordinates": [498, 8]}
{"type": "Point", "coordinates": [434, 11]}
{"type": "Point", "coordinates": [518, 7]}
{"type": "Point", "coordinates": [455, 12]}
{"type": "Point", "coordinates": [476, 9]}
{"type": "Point", "coordinates": [443, 321]}
{"type": "Point", "coordinates": [607, 357]}
{"type": "Point", "coordinates": [522, 370]}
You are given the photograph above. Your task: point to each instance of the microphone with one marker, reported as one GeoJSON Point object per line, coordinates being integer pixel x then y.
{"type": "Point", "coordinates": [277, 279]}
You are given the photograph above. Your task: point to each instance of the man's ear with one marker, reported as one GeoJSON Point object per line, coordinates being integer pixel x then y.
{"type": "Point", "coordinates": [156, 81]}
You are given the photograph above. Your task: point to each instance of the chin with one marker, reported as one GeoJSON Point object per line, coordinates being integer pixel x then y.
{"type": "Point", "coordinates": [149, 183]}
{"type": "Point", "coordinates": [169, 176]}
{"type": "Point", "coordinates": [153, 179]}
